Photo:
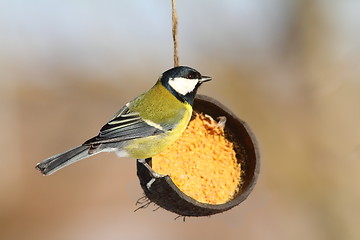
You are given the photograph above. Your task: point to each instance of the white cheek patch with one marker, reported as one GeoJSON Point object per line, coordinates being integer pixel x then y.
{"type": "Point", "coordinates": [183, 85]}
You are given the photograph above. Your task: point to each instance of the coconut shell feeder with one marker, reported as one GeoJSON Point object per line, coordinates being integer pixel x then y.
{"type": "Point", "coordinates": [161, 189]}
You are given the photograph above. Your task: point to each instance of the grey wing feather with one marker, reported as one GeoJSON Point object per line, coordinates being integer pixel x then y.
{"type": "Point", "coordinates": [125, 125]}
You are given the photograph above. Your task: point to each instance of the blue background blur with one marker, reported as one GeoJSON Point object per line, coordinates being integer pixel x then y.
{"type": "Point", "coordinates": [289, 68]}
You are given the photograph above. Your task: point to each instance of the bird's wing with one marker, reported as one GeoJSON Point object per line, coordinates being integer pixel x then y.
{"type": "Point", "coordinates": [126, 125]}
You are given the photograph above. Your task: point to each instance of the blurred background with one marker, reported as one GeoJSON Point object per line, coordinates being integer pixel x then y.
{"type": "Point", "coordinates": [291, 69]}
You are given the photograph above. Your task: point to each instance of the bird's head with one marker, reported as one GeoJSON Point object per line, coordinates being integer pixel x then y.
{"type": "Point", "coordinates": [183, 82]}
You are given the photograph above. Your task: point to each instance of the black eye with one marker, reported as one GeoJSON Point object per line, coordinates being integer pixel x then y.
{"type": "Point", "coordinates": [193, 75]}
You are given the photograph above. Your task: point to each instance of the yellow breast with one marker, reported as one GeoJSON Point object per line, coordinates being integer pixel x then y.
{"type": "Point", "coordinates": [160, 107]}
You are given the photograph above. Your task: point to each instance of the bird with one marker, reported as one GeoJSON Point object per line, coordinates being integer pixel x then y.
{"type": "Point", "coordinates": [145, 126]}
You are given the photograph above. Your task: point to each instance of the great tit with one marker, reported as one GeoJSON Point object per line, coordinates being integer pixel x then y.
{"type": "Point", "coordinates": [145, 126]}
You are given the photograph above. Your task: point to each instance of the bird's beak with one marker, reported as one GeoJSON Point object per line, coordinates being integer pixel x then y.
{"type": "Point", "coordinates": [204, 79]}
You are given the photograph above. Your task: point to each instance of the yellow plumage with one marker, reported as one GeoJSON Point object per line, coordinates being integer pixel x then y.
{"type": "Point", "coordinates": [164, 107]}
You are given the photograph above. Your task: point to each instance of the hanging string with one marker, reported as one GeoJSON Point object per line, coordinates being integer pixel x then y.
{"type": "Point", "coordinates": [175, 32]}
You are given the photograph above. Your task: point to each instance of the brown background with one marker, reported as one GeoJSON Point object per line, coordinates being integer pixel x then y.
{"type": "Point", "coordinates": [288, 68]}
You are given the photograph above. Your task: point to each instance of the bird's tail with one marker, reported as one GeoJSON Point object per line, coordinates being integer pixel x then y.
{"type": "Point", "coordinates": [61, 160]}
